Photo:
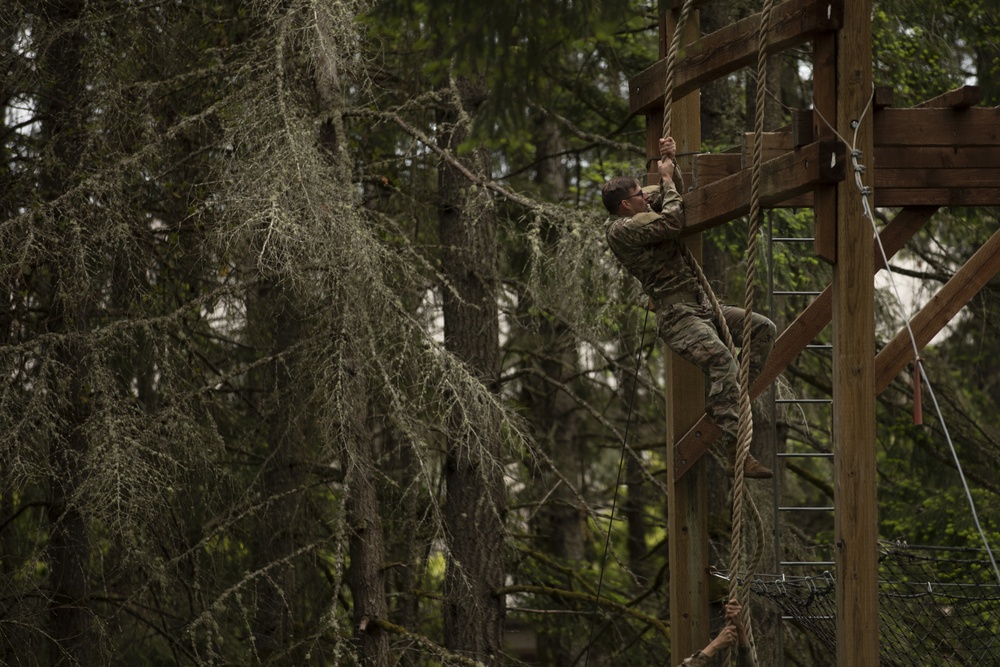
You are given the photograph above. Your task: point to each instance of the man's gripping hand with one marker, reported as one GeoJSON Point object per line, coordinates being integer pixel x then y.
{"type": "Point", "coordinates": [666, 166]}
{"type": "Point", "coordinates": [668, 148]}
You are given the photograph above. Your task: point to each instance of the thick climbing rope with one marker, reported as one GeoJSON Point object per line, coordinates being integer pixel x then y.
{"type": "Point", "coordinates": [742, 502]}
{"type": "Point", "coordinates": [745, 433]}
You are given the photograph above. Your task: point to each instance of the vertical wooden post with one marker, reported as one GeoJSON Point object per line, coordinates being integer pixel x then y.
{"type": "Point", "coordinates": [856, 516]}
{"type": "Point", "coordinates": [824, 122]}
{"type": "Point", "coordinates": [687, 504]}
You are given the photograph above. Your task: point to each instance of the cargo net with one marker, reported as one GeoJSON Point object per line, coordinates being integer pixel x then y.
{"type": "Point", "coordinates": [937, 606]}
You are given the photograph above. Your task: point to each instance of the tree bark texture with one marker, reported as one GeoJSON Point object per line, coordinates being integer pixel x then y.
{"type": "Point", "coordinates": [275, 324]}
{"type": "Point", "coordinates": [473, 509]}
{"type": "Point", "coordinates": [72, 641]}
{"type": "Point", "coordinates": [366, 575]}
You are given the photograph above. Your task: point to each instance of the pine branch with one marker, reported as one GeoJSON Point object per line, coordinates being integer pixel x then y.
{"type": "Point", "coordinates": [423, 641]}
{"type": "Point", "coordinates": [454, 162]}
{"type": "Point", "coordinates": [586, 597]}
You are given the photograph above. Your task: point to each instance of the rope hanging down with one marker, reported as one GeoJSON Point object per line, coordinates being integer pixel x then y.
{"type": "Point", "coordinates": [742, 502]}
{"type": "Point", "coordinates": [746, 423]}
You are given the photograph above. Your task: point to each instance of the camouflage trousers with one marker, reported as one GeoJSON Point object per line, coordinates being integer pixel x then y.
{"type": "Point", "coordinates": [689, 329]}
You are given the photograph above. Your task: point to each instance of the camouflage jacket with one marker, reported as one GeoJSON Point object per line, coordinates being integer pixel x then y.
{"type": "Point", "coordinates": [649, 246]}
{"type": "Point", "coordinates": [699, 659]}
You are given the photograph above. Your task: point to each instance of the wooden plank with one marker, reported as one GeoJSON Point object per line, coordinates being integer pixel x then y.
{"type": "Point", "coordinates": [935, 157]}
{"type": "Point", "coordinates": [687, 501]}
{"type": "Point", "coordinates": [892, 197]}
{"type": "Point", "coordinates": [824, 117]}
{"type": "Point", "coordinates": [801, 128]}
{"type": "Point", "coordinates": [798, 334]}
{"type": "Point", "coordinates": [938, 127]}
{"type": "Point", "coordinates": [883, 98]}
{"type": "Point", "coordinates": [854, 462]}
{"type": "Point", "coordinates": [920, 176]}
{"type": "Point", "coordinates": [962, 97]}
{"type": "Point", "coordinates": [776, 144]}
{"type": "Point", "coordinates": [773, 141]}
{"type": "Point", "coordinates": [677, 4]}
{"type": "Point", "coordinates": [943, 306]}
{"type": "Point", "coordinates": [782, 178]}
{"type": "Point", "coordinates": [928, 177]}
{"type": "Point", "coordinates": [711, 167]}
{"type": "Point", "coordinates": [807, 200]}
{"type": "Point", "coordinates": [726, 50]}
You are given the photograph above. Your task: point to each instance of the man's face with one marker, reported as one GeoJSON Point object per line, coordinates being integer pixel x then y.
{"type": "Point", "coordinates": [636, 202]}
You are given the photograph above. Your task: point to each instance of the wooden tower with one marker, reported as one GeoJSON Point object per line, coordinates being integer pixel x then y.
{"type": "Point", "coordinates": [944, 152]}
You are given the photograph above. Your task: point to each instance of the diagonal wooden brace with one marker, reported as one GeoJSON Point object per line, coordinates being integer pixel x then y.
{"type": "Point", "coordinates": [951, 298]}
{"type": "Point", "coordinates": [793, 339]}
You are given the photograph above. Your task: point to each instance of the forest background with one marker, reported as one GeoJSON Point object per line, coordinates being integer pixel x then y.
{"type": "Point", "coordinates": [312, 351]}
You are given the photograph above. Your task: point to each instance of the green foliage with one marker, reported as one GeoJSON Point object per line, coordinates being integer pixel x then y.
{"type": "Point", "coordinates": [524, 52]}
{"type": "Point", "coordinates": [223, 282]}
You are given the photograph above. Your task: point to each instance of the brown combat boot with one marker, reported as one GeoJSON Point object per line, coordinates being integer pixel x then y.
{"type": "Point", "coordinates": [752, 469]}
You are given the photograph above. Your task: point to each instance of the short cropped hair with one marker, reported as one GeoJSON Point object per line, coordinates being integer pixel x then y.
{"type": "Point", "coordinates": [616, 190]}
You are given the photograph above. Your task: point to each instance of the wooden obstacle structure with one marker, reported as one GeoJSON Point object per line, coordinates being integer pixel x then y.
{"type": "Point", "coordinates": [943, 152]}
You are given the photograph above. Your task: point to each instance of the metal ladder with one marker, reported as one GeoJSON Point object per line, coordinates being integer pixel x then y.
{"type": "Point", "coordinates": [812, 406]}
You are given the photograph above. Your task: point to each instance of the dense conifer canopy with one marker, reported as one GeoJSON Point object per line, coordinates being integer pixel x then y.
{"type": "Point", "coordinates": [283, 280]}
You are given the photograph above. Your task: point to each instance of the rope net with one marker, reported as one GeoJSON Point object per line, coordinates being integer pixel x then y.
{"type": "Point", "coordinates": [937, 606]}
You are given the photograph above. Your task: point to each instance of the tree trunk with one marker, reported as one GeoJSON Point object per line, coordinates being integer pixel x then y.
{"type": "Point", "coordinates": [61, 108]}
{"type": "Point", "coordinates": [366, 575]}
{"type": "Point", "coordinates": [559, 524]}
{"type": "Point", "coordinates": [69, 543]}
{"type": "Point", "coordinates": [275, 323]}
{"type": "Point", "coordinates": [474, 506]}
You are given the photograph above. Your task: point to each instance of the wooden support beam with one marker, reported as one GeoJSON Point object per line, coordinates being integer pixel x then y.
{"type": "Point", "coordinates": [892, 197]}
{"type": "Point", "coordinates": [855, 521]}
{"type": "Point", "coordinates": [938, 127]}
{"type": "Point", "coordinates": [792, 174]}
{"type": "Point", "coordinates": [817, 315]}
{"type": "Point", "coordinates": [726, 50]}
{"type": "Point", "coordinates": [824, 120]}
{"type": "Point", "coordinates": [938, 175]}
{"type": "Point", "coordinates": [775, 144]}
{"type": "Point", "coordinates": [677, 4]}
{"type": "Point", "coordinates": [919, 176]}
{"type": "Point", "coordinates": [962, 97]}
{"type": "Point", "coordinates": [936, 157]}
{"type": "Point", "coordinates": [798, 334]}
{"type": "Point", "coordinates": [711, 167]}
{"type": "Point", "coordinates": [687, 501]}
{"type": "Point", "coordinates": [801, 128]}
{"type": "Point", "coordinates": [904, 175]}
{"type": "Point", "coordinates": [951, 298]}
{"type": "Point", "coordinates": [884, 98]}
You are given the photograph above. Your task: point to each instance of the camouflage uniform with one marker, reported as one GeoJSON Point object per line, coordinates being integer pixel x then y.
{"type": "Point", "coordinates": [699, 659]}
{"type": "Point", "coordinates": [649, 246]}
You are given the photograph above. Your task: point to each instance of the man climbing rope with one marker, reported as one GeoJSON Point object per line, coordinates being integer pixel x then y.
{"type": "Point", "coordinates": [729, 636]}
{"type": "Point", "coordinates": [645, 236]}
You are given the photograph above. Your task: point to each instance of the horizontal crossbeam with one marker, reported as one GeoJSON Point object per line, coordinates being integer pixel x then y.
{"type": "Point", "coordinates": [937, 127]}
{"type": "Point", "coordinates": [732, 47]}
{"type": "Point", "coordinates": [919, 175]}
{"type": "Point", "coordinates": [782, 178]}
